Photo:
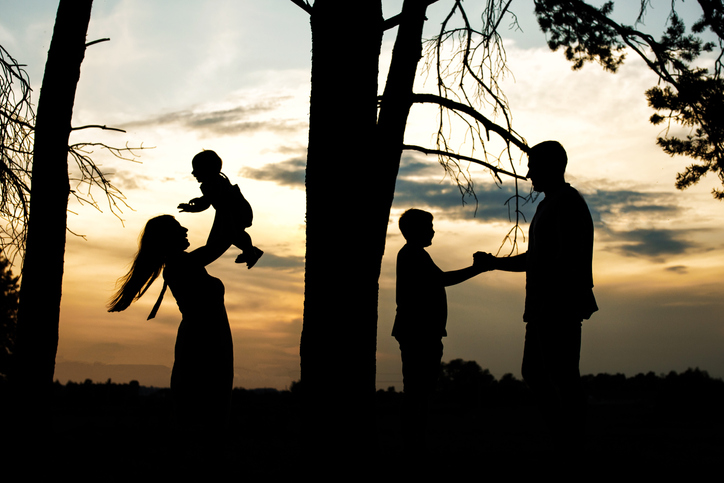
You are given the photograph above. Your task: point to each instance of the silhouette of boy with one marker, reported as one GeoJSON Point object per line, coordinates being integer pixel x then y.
{"type": "Point", "coordinates": [420, 321]}
{"type": "Point", "coordinates": [233, 212]}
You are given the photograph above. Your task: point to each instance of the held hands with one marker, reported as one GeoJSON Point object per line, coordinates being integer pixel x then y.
{"type": "Point", "coordinates": [484, 261]}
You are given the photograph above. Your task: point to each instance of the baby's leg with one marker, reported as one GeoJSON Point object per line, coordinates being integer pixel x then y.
{"type": "Point", "coordinates": [251, 254]}
{"type": "Point", "coordinates": [242, 241]}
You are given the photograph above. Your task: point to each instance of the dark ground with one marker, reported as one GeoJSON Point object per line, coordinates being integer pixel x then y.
{"type": "Point", "coordinates": [645, 428]}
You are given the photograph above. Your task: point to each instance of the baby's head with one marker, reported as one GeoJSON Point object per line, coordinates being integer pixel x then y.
{"type": "Point", "coordinates": [206, 164]}
{"type": "Point", "coordinates": [416, 227]}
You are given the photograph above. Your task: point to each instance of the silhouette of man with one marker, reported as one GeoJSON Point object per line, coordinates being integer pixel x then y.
{"type": "Point", "coordinates": [420, 321]}
{"type": "Point", "coordinates": [558, 292]}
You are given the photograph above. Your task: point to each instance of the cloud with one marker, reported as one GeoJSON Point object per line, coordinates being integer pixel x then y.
{"type": "Point", "coordinates": [619, 215]}
{"type": "Point", "coordinates": [411, 166]}
{"type": "Point", "coordinates": [290, 263]}
{"type": "Point", "coordinates": [226, 122]}
{"type": "Point", "coordinates": [287, 173]}
{"type": "Point", "coordinates": [298, 150]}
{"type": "Point", "coordinates": [424, 184]}
{"type": "Point", "coordinates": [127, 180]}
{"type": "Point", "coordinates": [446, 199]}
{"type": "Point", "coordinates": [415, 187]}
{"type": "Point", "coordinates": [609, 204]}
{"type": "Point", "coordinates": [656, 244]}
{"type": "Point", "coordinates": [680, 269]}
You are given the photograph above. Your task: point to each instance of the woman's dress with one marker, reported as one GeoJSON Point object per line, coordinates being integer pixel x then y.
{"type": "Point", "coordinates": [203, 369]}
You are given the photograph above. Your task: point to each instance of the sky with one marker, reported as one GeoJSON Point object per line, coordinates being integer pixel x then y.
{"type": "Point", "coordinates": [234, 76]}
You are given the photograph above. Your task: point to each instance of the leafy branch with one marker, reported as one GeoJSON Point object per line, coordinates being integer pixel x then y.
{"type": "Point", "coordinates": [691, 96]}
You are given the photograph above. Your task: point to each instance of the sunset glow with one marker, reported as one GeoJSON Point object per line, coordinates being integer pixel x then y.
{"type": "Point", "coordinates": [234, 76]}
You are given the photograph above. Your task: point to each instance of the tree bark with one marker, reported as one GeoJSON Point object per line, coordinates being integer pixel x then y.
{"type": "Point", "coordinates": [42, 275]}
{"type": "Point", "coordinates": [339, 335]}
{"type": "Point", "coordinates": [348, 210]}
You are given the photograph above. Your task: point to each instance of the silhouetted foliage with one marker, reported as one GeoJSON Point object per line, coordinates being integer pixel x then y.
{"type": "Point", "coordinates": [644, 421]}
{"type": "Point", "coordinates": [17, 138]}
{"type": "Point", "coordinates": [691, 96]}
{"type": "Point", "coordinates": [692, 387]}
{"type": "Point", "coordinates": [8, 315]}
{"type": "Point", "coordinates": [465, 381]}
{"type": "Point", "coordinates": [17, 120]}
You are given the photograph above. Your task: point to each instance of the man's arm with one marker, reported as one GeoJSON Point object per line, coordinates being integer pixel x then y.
{"type": "Point", "coordinates": [506, 264]}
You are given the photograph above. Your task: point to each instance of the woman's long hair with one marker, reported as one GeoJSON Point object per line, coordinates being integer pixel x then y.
{"type": "Point", "coordinates": [147, 264]}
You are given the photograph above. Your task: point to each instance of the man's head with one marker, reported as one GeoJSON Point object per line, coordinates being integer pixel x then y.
{"type": "Point", "coordinates": [547, 165]}
{"type": "Point", "coordinates": [416, 227]}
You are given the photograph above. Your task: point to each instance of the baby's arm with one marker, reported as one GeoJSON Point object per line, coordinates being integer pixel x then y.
{"type": "Point", "coordinates": [194, 206]}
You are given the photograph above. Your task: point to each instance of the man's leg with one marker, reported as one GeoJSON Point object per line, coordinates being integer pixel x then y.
{"type": "Point", "coordinates": [550, 368]}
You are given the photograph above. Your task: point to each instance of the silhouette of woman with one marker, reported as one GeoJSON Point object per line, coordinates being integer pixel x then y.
{"type": "Point", "coordinates": [203, 369]}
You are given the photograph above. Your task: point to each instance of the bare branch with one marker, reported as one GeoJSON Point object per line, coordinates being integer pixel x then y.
{"type": "Point", "coordinates": [395, 20]}
{"type": "Point", "coordinates": [97, 126]}
{"type": "Point", "coordinates": [96, 42]}
{"type": "Point", "coordinates": [91, 175]}
{"type": "Point", "coordinates": [468, 65]}
{"type": "Point", "coordinates": [17, 128]}
{"type": "Point", "coordinates": [508, 135]}
{"type": "Point", "coordinates": [495, 169]}
{"type": "Point", "coordinates": [17, 119]}
{"type": "Point", "coordinates": [303, 5]}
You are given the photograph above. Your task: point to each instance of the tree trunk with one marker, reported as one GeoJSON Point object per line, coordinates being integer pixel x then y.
{"type": "Point", "coordinates": [346, 232]}
{"type": "Point", "coordinates": [42, 276]}
{"type": "Point", "coordinates": [397, 98]}
{"type": "Point", "coordinates": [339, 336]}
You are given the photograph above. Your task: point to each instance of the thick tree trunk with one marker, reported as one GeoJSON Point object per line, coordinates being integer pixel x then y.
{"type": "Point", "coordinates": [352, 167]}
{"type": "Point", "coordinates": [42, 276]}
{"type": "Point", "coordinates": [342, 262]}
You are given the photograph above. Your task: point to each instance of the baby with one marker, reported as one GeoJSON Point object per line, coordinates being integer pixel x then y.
{"type": "Point", "coordinates": [233, 212]}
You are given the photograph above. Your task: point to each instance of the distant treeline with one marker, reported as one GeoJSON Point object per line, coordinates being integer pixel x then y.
{"type": "Point", "coordinates": [461, 382]}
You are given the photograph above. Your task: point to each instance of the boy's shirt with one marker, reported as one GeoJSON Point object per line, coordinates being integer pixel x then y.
{"type": "Point", "coordinates": [227, 199]}
{"type": "Point", "coordinates": [421, 297]}
{"type": "Point", "coordinates": [217, 190]}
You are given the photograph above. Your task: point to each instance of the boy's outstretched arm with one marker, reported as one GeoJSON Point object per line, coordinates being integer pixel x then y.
{"type": "Point", "coordinates": [194, 206]}
{"type": "Point", "coordinates": [454, 277]}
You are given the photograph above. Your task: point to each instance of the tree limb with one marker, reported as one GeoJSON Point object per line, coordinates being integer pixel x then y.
{"type": "Point", "coordinates": [97, 126]}
{"type": "Point", "coordinates": [489, 125]}
{"type": "Point", "coordinates": [303, 5]}
{"type": "Point", "coordinates": [632, 37]}
{"type": "Point", "coordinates": [461, 157]}
{"type": "Point", "coordinates": [395, 20]}
{"type": "Point", "coordinates": [96, 42]}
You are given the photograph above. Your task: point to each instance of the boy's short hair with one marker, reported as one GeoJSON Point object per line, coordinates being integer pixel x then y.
{"type": "Point", "coordinates": [208, 159]}
{"type": "Point", "coordinates": [413, 219]}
